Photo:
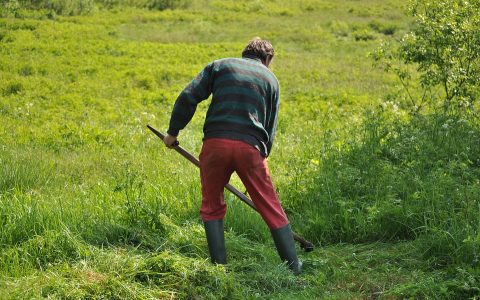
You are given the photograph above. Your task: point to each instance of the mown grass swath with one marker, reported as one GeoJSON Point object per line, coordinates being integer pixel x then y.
{"type": "Point", "coordinates": [92, 205]}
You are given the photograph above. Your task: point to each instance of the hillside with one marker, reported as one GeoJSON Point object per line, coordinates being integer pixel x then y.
{"type": "Point", "coordinates": [93, 206]}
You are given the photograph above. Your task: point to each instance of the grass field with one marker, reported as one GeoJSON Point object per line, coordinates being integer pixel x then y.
{"type": "Point", "coordinates": [93, 206]}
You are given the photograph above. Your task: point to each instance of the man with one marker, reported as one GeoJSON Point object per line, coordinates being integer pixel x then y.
{"type": "Point", "coordinates": [239, 130]}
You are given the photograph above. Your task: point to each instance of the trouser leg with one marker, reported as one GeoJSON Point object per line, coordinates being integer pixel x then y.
{"type": "Point", "coordinates": [253, 172]}
{"type": "Point", "coordinates": [252, 169]}
{"type": "Point", "coordinates": [215, 172]}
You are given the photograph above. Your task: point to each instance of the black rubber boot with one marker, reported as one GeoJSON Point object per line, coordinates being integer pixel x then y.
{"type": "Point", "coordinates": [216, 241]}
{"type": "Point", "coordinates": [283, 238]}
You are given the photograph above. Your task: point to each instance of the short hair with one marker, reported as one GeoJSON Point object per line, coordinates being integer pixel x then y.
{"type": "Point", "coordinates": [259, 48]}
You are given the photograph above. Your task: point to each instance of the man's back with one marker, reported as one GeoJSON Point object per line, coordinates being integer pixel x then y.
{"type": "Point", "coordinates": [244, 104]}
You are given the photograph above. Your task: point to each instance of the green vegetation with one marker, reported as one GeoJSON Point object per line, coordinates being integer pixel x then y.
{"type": "Point", "coordinates": [381, 170]}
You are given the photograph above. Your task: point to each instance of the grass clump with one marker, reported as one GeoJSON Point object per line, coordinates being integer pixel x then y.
{"type": "Point", "coordinates": [363, 35]}
{"type": "Point", "coordinates": [21, 173]}
{"type": "Point", "coordinates": [42, 251]}
{"type": "Point", "coordinates": [26, 70]}
{"type": "Point", "coordinates": [384, 28]}
{"type": "Point", "coordinates": [12, 88]}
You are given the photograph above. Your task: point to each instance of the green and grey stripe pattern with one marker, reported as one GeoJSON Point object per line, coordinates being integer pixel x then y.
{"type": "Point", "coordinates": [245, 102]}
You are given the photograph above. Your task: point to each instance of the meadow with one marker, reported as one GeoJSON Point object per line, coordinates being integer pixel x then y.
{"type": "Point", "coordinates": [93, 206]}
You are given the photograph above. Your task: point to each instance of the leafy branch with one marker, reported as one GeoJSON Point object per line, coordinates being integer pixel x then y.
{"type": "Point", "coordinates": [444, 49]}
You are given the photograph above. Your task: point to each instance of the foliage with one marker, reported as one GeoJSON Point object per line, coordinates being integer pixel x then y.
{"type": "Point", "coordinates": [403, 180]}
{"type": "Point", "coordinates": [151, 4]}
{"type": "Point", "coordinates": [61, 7]}
{"type": "Point", "coordinates": [92, 205]}
{"type": "Point", "coordinates": [81, 7]}
{"type": "Point", "coordinates": [444, 49]}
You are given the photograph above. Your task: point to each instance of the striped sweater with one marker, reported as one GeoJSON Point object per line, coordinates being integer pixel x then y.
{"type": "Point", "coordinates": [244, 106]}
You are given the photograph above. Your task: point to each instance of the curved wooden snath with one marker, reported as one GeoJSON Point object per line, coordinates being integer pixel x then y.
{"type": "Point", "coordinates": [304, 244]}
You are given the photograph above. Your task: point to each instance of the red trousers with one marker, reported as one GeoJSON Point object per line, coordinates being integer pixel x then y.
{"type": "Point", "coordinates": [219, 158]}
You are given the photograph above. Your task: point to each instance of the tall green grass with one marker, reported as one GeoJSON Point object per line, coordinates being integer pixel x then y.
{"type": "Point", "coordinates": [415, 179]}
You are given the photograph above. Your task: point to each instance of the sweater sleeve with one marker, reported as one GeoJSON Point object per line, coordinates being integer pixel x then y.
{"type": "Point", "coordinates": [184, 108]}
{"type": "Point", "coordinates": [271, 127]}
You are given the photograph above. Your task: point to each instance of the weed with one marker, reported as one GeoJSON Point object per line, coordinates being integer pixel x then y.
{"type": "Point", "coordinates": [168, 4]}
{"type": "Point", "coordinates": [387, 29]}
{"type": "Point", "coordinates": [340, 28]}
{"type": "Point", "coordinates": [26, 70]}
{"type": "Point", "coordinates": [363, 35]}
{"type": "Point", "coordinates": [12, 88]}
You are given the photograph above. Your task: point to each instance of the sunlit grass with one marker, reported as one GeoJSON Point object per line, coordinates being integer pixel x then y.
{"type": "Point", "coordinates": [93, 205]}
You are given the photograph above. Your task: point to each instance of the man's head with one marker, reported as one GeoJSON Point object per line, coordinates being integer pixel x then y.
{"type": "Point", "coordinates": [262, 49]}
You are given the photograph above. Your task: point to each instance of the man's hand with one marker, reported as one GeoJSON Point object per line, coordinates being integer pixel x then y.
{"type": "Point", "coordinates": [170, 141]}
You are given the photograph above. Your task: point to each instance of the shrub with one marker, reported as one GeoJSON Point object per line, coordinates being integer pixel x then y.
{"type": "Point", "coordinates": [9, 7]}
{"type": "Point", "coordinates": [435, 177]}
{"type": "Point", "coordinates": [444, 48]}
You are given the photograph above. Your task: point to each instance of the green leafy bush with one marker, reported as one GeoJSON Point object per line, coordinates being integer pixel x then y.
{"type": "Point", "coordinates": [438, 62]}
{"type": "Point", "coordinates": [417, 177]}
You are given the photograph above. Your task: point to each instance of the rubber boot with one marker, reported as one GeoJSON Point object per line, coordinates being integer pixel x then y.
{"type": "Point", "coordinates": [216, 241]}
{"type": "Point", "coordinates": [283, 238]}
